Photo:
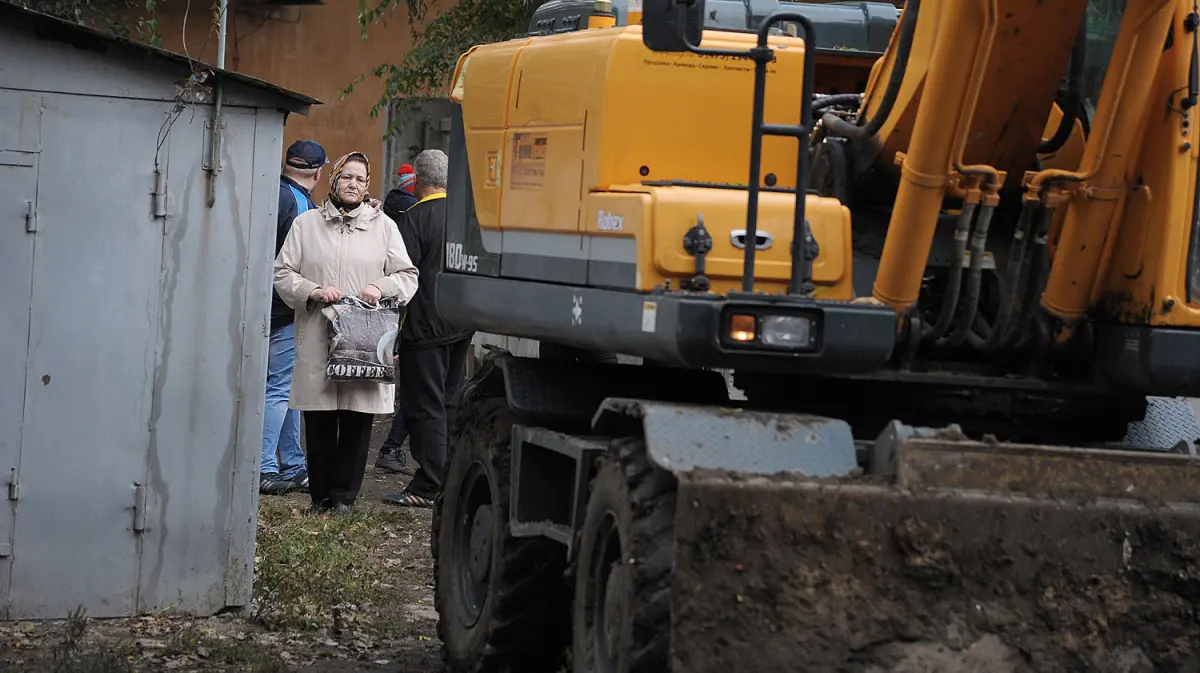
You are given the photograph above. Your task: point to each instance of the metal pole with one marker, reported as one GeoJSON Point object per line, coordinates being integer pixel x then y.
{"type": "Point", "coordinates": [221, 34]}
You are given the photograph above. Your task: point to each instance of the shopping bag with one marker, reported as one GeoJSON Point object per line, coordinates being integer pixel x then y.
{"type": "Point", "coordinates": [362, 338]}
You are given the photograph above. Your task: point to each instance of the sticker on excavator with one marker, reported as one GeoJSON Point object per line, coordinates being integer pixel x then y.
{"type": "Point", "coordinates": [528, 161]}
{"type": "Point", "coordinates": [969, 556]}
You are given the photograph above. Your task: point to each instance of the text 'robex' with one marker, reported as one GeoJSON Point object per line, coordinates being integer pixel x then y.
{"type": "Point", "coordinates": [609, 222]}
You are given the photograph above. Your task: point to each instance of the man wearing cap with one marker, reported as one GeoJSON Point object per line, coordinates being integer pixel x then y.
{"type": "Point", "coordinates": [283, 467]}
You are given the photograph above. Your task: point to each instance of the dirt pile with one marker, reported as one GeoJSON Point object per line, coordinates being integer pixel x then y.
{"type": "Point", "coordinates": [866, 579]}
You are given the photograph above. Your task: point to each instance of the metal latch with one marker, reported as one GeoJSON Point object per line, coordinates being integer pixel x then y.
{"type": "Point", "coordinates": [14, 486]}
{"type": "Point", "coordinates": [30, 217]}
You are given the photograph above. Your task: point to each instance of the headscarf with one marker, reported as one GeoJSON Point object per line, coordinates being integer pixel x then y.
{"type": "Point", "coordinates": [337, 172]}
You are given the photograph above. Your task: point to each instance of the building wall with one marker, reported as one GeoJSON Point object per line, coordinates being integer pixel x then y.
{"type": "Point", "coordinates": [312, 49]}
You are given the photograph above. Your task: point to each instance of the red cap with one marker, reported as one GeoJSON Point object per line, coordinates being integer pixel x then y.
{"type": "Point", "coordinates": [408, 177]}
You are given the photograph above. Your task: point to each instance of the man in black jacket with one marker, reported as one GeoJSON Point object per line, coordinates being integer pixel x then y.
{"type": "Point", "coordinates": [433, 353]}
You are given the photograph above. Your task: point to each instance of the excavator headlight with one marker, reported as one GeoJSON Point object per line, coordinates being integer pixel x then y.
{"type": "Point", "coordinates": [787, 331]}
{"type": "Point", "coordinates": [762, 328]}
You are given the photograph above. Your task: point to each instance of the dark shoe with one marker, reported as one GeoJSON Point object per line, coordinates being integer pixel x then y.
{"type": "Point", "coordinates": [300, 481]}
{"type": "Point", "coordinates": [273, 484]}
{"type": "Point", "coordinates": [406, 499]}
{"type": "Point", "coordinates": [390, 462]}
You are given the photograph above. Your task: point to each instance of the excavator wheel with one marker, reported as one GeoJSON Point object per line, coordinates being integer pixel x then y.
{"type": "Point", "coordinates": [502, 601]}
{"type": "Point", "coordinates": [623, 580]}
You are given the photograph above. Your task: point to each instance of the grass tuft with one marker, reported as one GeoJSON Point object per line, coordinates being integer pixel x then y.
{"type": "Point", "coordinates": [318, 572]}
{"type": "Point", "coordinates": [245, 655]}
{"type": "Point", "coordinates": [72, 653]}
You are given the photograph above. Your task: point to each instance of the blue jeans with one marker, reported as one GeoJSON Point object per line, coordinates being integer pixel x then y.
{"type": "Point", "coordinates": [281, 425]}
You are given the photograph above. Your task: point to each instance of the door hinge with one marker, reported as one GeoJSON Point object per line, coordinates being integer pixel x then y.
{"type": "Point", "coordinates": [14, 486]}
{"type": "Point", "coordinates": [30, 217]}
{"type": "Point", "coordinates": [139, 507]}
{"type": "Point", "coordinates": [5, 550]}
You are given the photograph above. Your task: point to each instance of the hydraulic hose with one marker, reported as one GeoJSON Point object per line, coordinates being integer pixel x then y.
{"type": "Point", "coordinates": [1074, 98]}
{"type": "Point", "coordinates": [823, 102]}
{"type": "Point", "coordinates": [1034, 279]}
{"type": "Point", "coordinates": [962, 232]}
{"type": "Point", "coordinates": [974, 276]}
{"type": "Point", "coordinates": [1012, 275]}
{"type": "Point", "coordinates": [842, 128]}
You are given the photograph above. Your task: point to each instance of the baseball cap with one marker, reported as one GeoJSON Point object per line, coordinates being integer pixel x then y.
{"type": "Point", "coordinates": [408, 177]}
{"type": "Point", "coordinates": [306, 154]}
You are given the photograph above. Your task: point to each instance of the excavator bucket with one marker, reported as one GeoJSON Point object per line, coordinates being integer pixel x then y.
{"type": "Point", "coordinates": [945, 555]}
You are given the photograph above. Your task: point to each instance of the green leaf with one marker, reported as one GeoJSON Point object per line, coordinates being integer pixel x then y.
{"type": "Point", "coordinates": [438, 41]}
{"type": "Point", "coordinates": [123, 18]}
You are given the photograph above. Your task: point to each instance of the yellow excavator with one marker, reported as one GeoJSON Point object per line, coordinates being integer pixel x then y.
{"type": "Point", "coordinates": [856, 354]}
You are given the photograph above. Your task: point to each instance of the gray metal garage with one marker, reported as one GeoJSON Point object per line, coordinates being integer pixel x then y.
{"type": "Point", "coordinates": [136, 283]}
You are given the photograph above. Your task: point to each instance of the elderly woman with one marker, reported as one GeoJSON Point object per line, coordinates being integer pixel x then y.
{"type": "Point", "coordinates": [346, 247]}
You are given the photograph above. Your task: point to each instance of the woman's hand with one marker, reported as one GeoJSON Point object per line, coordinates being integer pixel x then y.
{"type": "Point", "coordinates": [326, 294]}
{"type": "Point", "coordinates": [370, 294]}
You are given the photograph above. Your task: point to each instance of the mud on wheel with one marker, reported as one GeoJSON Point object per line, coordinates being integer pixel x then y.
{"type": "Point", "coordinates": [622, 611]}
{"type": "Point", "coordinates": [502, 601]}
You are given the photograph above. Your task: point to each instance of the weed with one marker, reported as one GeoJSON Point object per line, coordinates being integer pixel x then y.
{"type": "Point", "coordinates": [71, 655]}
{"type": "Point", "coordinates": [242, 655]}
{"type": "Point", "coordinates": [318, 571]}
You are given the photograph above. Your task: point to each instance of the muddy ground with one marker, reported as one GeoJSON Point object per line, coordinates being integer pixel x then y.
{"type": "Point", "coordinates": [333, 595]}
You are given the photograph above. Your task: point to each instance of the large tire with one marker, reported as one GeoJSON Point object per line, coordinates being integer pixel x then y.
{"type": "Point", "coordinates": [502, 602]}
{"type": "Point", "coordinates": [622, 613]}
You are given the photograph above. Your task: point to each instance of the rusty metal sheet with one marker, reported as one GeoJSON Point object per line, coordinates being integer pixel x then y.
{"type": "Point", "coordinates": [858, 576]}
{"type": "Point", "coordinates": [1076, 473]}
{"type": "Point", "coordinates": [682, 437]}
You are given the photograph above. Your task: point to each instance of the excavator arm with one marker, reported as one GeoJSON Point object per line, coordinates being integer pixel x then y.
{"type": "Point", "coordinates": [1088, 191]}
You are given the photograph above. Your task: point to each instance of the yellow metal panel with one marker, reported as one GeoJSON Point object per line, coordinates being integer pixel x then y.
{"type": "Point", "coordinates": [634, 211]}
{"type": "Point", "coordinates": [674, 213]}
{"type": "Point", "coordinates": [485, 106]}
{"type": "Point", "coordinates": [687, 117]}
{"type": "Point", "coordinates": [541, 188]}
{"type": "Point", "coordinates": [593, 110]}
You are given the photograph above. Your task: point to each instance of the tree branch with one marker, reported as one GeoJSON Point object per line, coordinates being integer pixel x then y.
{"type": "Point", "coordinates": [438, 42]}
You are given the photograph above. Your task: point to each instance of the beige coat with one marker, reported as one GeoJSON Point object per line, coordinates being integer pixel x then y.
{"type": "Point", "coordinates": [323, 249]}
